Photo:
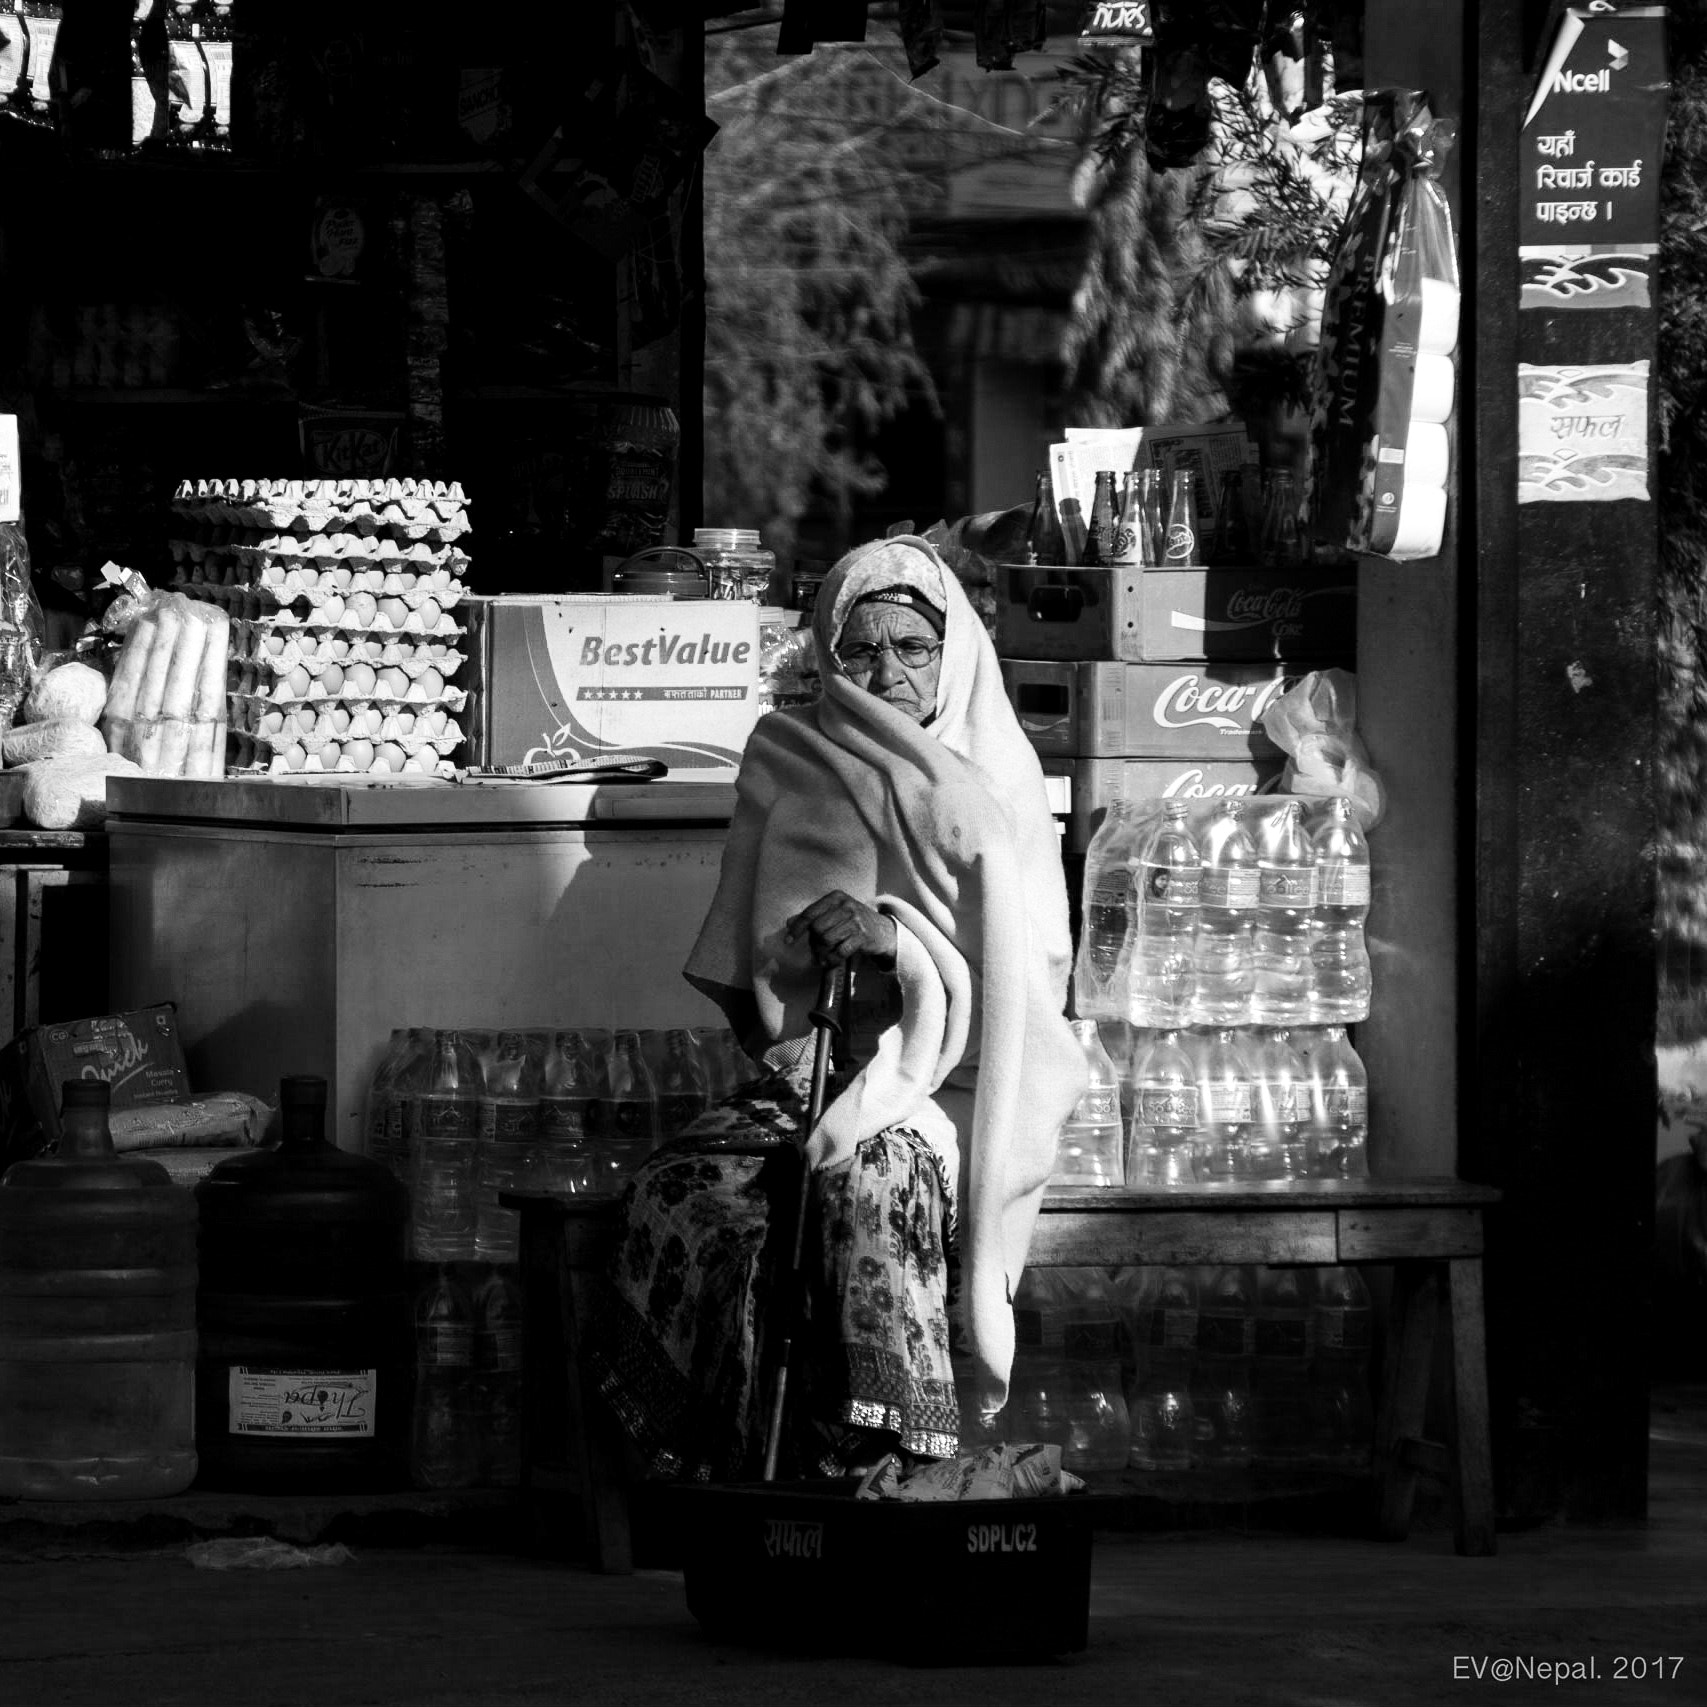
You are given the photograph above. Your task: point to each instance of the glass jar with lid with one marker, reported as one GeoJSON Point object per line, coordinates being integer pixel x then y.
{"type": "Point", "coordinates": [738, 565]}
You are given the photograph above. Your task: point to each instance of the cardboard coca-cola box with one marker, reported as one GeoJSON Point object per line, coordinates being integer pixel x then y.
{"type": "Point", "coordinates": [1091, 786]}
{"type": "Point", "coordinates": [1157, 711]}
{"type": "Point", "coordinates": [138, 1054]}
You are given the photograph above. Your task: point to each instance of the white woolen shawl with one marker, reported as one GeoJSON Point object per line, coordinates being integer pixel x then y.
{"type": "Point", "coordinates": [947, 828]}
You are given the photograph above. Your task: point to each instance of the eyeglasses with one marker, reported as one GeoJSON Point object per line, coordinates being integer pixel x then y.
{"type": "Point", "coordinates": [909, 654]}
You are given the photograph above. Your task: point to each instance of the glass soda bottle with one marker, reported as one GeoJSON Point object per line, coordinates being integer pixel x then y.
{"type": "Point", "coordinates": [1169, 888]}
{"type": "Point", "coordinates": [1134, 541]}
{"type": "Point", "coordinates": [1044, 541]}
{"type": "Point", "coordinates": [1088, 1150]}
{"type": "Point", "coordinates": [497, 1308]}
{"type": "Point", "coordinates": [1165, 1115]}
{"type": "Point", "coordinates": [1281, 545]}
{"type": "Point", "coordinates": [1224, 1106]}
{"type": "Point", "coordinates": [509, 1129]}
{"type": "Point", "coordinates": [443, 1450]}
{"type": "Point", "coordinates": [1150, 510]}
{"type": "Point", "coordinates": [1227, 900]}
{"type": "Point", "coordinates": [1163, 1419]}
{"type": "Point", "coordinates": [1340, 981]}
{"type": "Point", "coordinates": [1285, 918]}
{"type": "Point", "coordinates": [1233, 541]}
{"type": "Point", "coordinates": [1221, 1376]}
{"type": "Point", "coordinates": [1336, 1121]}
{"type": "Point", "coordinates": [1099, 540]}
{"type": "Point", "coordinates": [1111, 915]}
{"type": "Point", "coordinates": [571, 1114]}
{"type": "Point", "coordinates": [1182, 550]}
{"type": "Point", "coordinates": [684, 1092]}
{"type": "Point", "coordinates": [1274, 1140]}
{"type": "Point", "coordinates": [631, 1112]}
{"type": "Point", "coordinates": [443, 1213]}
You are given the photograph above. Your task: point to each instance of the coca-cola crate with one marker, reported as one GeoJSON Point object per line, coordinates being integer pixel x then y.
{"type": "Point", "coordinates": [1140, 616]}
{"type": "Point", "coordinates": [1148, 711]}
{"type": "Point", "coordinates": [1093, 785]}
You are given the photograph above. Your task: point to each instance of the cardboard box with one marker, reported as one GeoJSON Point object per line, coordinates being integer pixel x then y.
{"type": "Point", "coordinates": [586, 676]}
{"type": "Point", "coordinates": [137, 1053]}
{"type": "Point", "coordinates": [1154, 615]}
{"type": "Point", "coordinates": [1148, 711]}
{"type": "Point", "coordinates": [1091, 786]}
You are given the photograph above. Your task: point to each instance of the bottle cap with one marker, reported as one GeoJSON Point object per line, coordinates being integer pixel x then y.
{"type": "Point", "coordinates": [302, 1090]}
{"type": "Point", "coordinates": [85, 1093]}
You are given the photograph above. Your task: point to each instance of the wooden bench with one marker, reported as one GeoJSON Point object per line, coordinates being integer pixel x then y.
{"type": "Point", "coordinates": [1430, 1231]}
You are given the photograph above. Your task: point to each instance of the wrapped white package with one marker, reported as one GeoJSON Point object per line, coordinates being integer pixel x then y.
{"type": "Point", "coordinates": [60, 738]}
{"type": "Point", "coordinates": [75, 691]}
{"type": "Point", "coordinates": [71, 794]}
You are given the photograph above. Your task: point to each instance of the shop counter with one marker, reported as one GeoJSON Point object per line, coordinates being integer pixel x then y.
{"type": "Point", "coordinates": [297, 923]}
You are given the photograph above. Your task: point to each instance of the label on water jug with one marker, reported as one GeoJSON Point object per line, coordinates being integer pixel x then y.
{"type": "Point", "coordinates": [1172, 885]}
{"type": "Point", "coordinates": [567, 1120]}
{"type": "Point", "coordinates": [1167, 1106]}
{"type": "Point", "coordinates": [297, 1403]}
{"type": "Point", "coordinates": [1228, 1104]}
{"type": "Point", "coordinates": [1346, 1105]}
{"type": "Point", "coordinates": [1098, 1107]}
{"type": "Point", "coordinates": [439, 1117]}
{"type": "Point", "coordinates": [1345, 1331]}
{"type": "Point", "coordinates": [1344, 885]}
{"type": "Point", "coordinates": [1286, 886]}
{"type": "Point", "coordinates": [1229, 887]}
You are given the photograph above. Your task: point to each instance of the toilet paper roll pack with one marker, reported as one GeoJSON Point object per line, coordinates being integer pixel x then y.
{"type": "Point", "coordinates": [1386, 377]}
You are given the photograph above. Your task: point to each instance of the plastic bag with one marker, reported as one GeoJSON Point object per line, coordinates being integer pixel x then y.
{"type": "Point", "coordinates": [1315, 724]}
{"type": "Point", "coordinates": [263, 1553]}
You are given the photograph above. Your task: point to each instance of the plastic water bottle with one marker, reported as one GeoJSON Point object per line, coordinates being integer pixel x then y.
{"type": "Point", "coordinates": [1339, 953]}
{"type": "Point", "coordinates": [1099, 1429]}
{"type": "Point", "coordinates": [571, 1115]}
{"type": "Point", "coordinates": [1342, 1419]}
{"type": "Point", "coordinates": [1110, 915]}
{"type": "Point", "coordinates": [498, 1378]}
{"type": "Point", "coordinates": [1223, 1106]}
{"type": "Point", "coordinates": [1283, 1365]}
{"type": "Point", "coordinates": [445, 1140]}
{"type": "Point", "coordinates": [1088, 1150]}
{"type": "Point", "coordinates": [1285, 919]}
{"type": "Point", "coordinates": [1037, 1390]}
{"type": "Point", "coordinates": [1221, 1377]}
{"type": "Point", "coordinates": [1163, 1417]}
{"type": "Point", "coordinates": [726, 1067]}
{"type": "Point", "coordinates": [1165, 1124]}
{"type": "Point", "coordinates": [1274, 1140]}
{"type": "Point", "coordinates": [1336, 1129]}
{"type": "Point", "coordinates": [683, 1089]}
{"type": "Point", "coordinates": [381, 1134]}
{"type": "Point", "coordinates": [509, 1128]}
{"type": "Point", "coordinates": [1227, 908]}
{"type": "Point", "coordinates": [1169, 881]}
{"type": "Point", "coordinates": [631, 1112]}
{"type": "Point", "coordinates": [443, 1451]}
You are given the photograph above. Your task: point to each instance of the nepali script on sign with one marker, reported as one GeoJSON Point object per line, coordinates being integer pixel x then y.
{"type": "Point", "coordinates": [1582, 433]}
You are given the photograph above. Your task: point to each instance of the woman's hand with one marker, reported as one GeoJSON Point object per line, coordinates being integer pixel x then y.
{"type": "Point", "coordinates": [838, 928]}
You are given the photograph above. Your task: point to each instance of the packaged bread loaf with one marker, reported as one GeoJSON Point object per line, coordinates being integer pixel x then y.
{"type": "Point", "coordinates": [59, 738]}
{"type": "Point", "coordinates": [76, 691]}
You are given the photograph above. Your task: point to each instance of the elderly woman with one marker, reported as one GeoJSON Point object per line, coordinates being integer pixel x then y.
{"type": "Point", "coordinates": [901, 825]}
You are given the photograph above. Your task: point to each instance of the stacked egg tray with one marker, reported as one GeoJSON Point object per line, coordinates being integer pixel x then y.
{"type": "Point", "coordinates": [343, 638]}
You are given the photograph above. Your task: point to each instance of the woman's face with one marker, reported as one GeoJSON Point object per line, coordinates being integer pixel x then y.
{"type": "Point", "coordinates": [910, 688]}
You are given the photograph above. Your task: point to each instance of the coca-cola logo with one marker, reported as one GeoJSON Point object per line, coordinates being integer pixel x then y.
{"type": "Point", "coordinates": [1276, 604]}
{"type": "Point", "coordinates": [1194, 785]}
{"type": "Point", "coordinates": [1188, 701]}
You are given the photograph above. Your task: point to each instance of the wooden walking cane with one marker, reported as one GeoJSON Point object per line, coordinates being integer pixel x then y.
{"type": "Point", "coordinates": [826, 1021]}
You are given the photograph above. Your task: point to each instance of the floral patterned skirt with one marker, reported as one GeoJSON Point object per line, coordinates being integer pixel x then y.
{"type": "Point", "coordinates": [702, 1268]}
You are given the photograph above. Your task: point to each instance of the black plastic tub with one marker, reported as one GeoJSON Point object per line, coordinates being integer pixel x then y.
{"type": "Point", "coordinates": [807, 1566]}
